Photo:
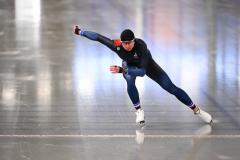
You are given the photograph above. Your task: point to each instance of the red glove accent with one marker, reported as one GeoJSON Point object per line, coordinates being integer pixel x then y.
{"type": "Point", "coordinates": [117, 42]}
{"type": "Point", "coordinates": [77, 30]}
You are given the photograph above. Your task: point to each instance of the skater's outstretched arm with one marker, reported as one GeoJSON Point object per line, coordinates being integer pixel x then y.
{"type": "Point", "coordinates": [96, 37]}
{"type": "Point", "coordinates": [131, 70]}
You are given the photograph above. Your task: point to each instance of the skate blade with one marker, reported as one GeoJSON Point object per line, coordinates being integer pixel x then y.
{"type": "Point", "coordinates": [211, 122]}
{"type": "Point", "coordinates": [141, 123]}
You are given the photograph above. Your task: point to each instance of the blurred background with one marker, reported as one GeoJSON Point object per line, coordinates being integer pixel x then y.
{"type": "Point", "coordinates": [53, 82]}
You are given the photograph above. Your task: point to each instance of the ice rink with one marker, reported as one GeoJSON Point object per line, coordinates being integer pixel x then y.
{"type": "Point", "coordinates": [59, 101]}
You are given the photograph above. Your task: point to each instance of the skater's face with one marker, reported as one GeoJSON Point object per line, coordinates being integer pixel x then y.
{"type": "Point", "coordinates": [128, 45]}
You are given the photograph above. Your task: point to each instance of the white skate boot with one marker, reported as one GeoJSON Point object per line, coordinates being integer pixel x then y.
{"type": "Point", "coordinates": [206, 117]}
{"type": "Point", "coordinates": [140, 117]}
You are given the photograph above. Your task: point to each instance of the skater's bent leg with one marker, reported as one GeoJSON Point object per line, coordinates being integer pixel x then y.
{"type": "Point", "coordinates": [132, 90]}
{"type": "Point", "coordinates": [133, 94]}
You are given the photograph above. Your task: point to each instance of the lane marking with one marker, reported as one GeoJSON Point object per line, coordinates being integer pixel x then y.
{"type": "Point", "coordinates": [119, 136]}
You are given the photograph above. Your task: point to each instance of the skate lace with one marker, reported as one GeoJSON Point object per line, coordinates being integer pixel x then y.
{"type": "Point", "coordinates": [198, 112]}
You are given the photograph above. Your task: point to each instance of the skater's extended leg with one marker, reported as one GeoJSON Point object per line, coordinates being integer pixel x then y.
{"type": "Point", "coordinates": [164, 81]}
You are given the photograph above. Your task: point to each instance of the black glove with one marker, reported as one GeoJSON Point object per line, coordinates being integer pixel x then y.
{"type": "Point", "coordinates": [77, 30]}
{"type": "Point", "coordinates": [116, 69]}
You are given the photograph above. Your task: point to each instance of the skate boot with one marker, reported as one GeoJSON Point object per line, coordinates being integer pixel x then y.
{"type": "Point", "coordinates": [140, 117]}
{"type": "Point", "coordinates": [206, 117]}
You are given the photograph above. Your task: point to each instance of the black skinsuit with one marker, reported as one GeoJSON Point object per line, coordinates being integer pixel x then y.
{"type": "Point", "coordinates": [140, 62]}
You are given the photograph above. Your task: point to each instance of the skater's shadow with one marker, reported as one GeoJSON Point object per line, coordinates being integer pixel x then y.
{"type": "Point", "coordinates": [140, 136]}
{"type": "Point", "coordinates": [204, 130]}
{"type": "Point", "coordinates": [200, 142]}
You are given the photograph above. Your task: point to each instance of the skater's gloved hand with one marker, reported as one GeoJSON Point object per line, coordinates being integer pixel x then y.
{"type": "Point", "coordinates": [116, 69]}
{"type": "Point", "coordinates": [77, 30]}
